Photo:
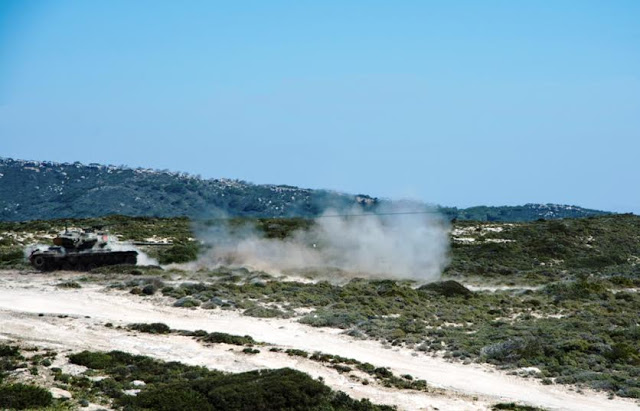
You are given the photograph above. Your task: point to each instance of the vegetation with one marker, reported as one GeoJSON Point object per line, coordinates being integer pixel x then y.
{"type": "Point", "coordinates": [172, 386]}
{"type": "Point", "coordinates": [69, 284]}
{"type": "Point", "coordinates": [153, 328]}
{"type": "Point", "coordinates": [570, 315]}
{"type": "Point", "coordinates": [606, 247]}
{"type": "Point", "coordinates": [575, 331]}
{"type": "Point", "coordinates": [10, 359]}
{"type": "Point", "coordinates": [22, 396]}
{"type": "Point", "coordinates": [339, 363]}
{"type": "Point", "coordinates": [527, 212]}
{"type": "Point", "coordinates": [15, 395]}
{"type": "Point", "coordinates": [32, 190]}
{"type": "Point", "coordinates": [224, 338]}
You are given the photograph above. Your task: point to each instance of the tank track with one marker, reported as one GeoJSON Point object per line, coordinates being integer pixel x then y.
{"type": "Point", "coordinates": [81, 261]}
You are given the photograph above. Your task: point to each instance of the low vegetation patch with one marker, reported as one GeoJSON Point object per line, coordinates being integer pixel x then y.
{"type": "Point", "coordinates": [69, 284]}
{"type": "Point", "coordinates": [152, 328]}
{"type": "Point", "coordinates": [224, 338]}
{"type": "Point", "coordinates": [575, 331]}
{"type": "Point", "coordinates": [173, 386]}
{"type": "Point", "coordinates": [22, 396]}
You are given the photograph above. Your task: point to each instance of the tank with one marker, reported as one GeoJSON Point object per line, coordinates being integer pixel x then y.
{"type": "Point", "coordinates": [80, 250]}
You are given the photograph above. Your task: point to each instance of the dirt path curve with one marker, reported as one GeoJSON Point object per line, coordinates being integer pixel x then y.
{"type": "Point", "coordinates": [18, 300]}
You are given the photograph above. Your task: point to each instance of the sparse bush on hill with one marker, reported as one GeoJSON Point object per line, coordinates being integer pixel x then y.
{"type": "Point", "coordinates": [544, 250]}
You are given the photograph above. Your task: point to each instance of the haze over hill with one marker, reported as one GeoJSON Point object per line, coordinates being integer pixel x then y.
{"type": "Point", "coordinates": [43, 190]}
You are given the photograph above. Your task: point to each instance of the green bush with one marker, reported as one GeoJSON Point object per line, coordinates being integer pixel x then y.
{"type": "Point", "coordinates": [9, 351]}
{"type": "Point", "coordinates": [187, 302]}
{"type": "Point", "coordinates": [283, 389]}
{"type": "Point", "coordinates": [512, 406]}
{"type": "Point", "coordinates": [335, 318]}
{"type": "Point", "coordinates": [179, 253]}
{"type": "Point", "coordinates": [224, 338]}
{"type": "Point", "coordinates": [264, 312]}
{"type": "Point", "coordinates": [294, 352]}
{"type": "Point", "coordinates": [175, 386]}
{"type": "Point", "coordinates": [95, 360]}
{"type": "Point", "coordinates": [69, 284]}
{"type": "Point", "coordinates": [151, 328]}
{"type": "Point", "coordinates": [10, 257]}
{"type": "Point", "coordinates": [22, 396]}
{"type": "Point", "coordinates": [448, 288]}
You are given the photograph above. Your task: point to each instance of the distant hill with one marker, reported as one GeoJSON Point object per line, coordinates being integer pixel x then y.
{"type": "Point", "coordinates": [31, 190]}
{"type": "Point", "coordinates": [527, 212]}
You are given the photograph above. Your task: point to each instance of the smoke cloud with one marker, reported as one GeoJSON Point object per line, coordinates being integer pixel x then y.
{"type": "Point", "coordinates": [394, 243]}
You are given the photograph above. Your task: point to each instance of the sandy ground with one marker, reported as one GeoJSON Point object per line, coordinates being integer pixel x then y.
{"type": "Point", "coordinates": [466, 387]}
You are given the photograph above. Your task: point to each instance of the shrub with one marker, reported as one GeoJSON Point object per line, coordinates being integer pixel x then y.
{"type": "Point", "coordinates": [340, 319]}
{"type": "Point", "coordinates": [69, 284]}
{"type": "Point", "coordinates": [224, 338]}
{"type": "Point", "coordinates": [95, 360]}
{"type": "Point", "coordinates": [152, 328]}
{"type": "Point", "coordinates": [9, 351]}
{"type": "Point", "coordinates": [448, 288]}
{"type": "Point", "coordinates": [187, 302]}
{"type": "Point", "coordinates": [264, 312]}
{"type": "Point", "coordinates": [21, 396]}
{"type": "Point", "coordinates": [512, 406]}
{"type": "Point", "coordinates": [179, 253]}
{"type": "Point", "coordinates": [11, 257]}
{"type": "Point", "coordinates": [297, 353]}
{"type": "Point", "coordinates": [578, 290]}
{"type": "Point", "coordinates": [283, 389]}
{"type": "Point", "coordinates": [149, 289]}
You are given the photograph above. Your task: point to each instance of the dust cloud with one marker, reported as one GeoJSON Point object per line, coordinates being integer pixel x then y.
{"type": "Point", "coordinates": [393, 243]}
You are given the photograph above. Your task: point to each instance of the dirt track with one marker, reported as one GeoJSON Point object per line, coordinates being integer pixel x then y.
{"type": "Point", "coordinates": [466, 387]}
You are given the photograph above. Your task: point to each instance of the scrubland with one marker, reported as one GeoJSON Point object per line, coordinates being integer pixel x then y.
{"type": "Point", "coordinates": [541, 314]}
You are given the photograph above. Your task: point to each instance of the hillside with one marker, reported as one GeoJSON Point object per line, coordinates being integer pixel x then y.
{"type": "Point", "coordinates": [543, 313]}
{"type": "Point", "coordinates": [43, 190]}
{"type": "Point", "coordinates": [31, 190]}
{"type": "Point", "coordinates": [527, 212]}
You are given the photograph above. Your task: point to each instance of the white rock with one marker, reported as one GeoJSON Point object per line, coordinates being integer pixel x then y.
{"type": "Point", "coordinates": [60, 393]}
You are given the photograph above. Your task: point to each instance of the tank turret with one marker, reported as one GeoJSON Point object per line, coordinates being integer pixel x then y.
{"type": "Point", "coordinates": [80, 250]}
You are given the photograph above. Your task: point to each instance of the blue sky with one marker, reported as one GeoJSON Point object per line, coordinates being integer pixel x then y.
{"type": "Point", "coordinates": [459, 103]}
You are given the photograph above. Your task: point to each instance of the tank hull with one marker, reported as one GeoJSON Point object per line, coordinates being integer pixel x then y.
{"type": "Point", "coordinates": [51, 260]}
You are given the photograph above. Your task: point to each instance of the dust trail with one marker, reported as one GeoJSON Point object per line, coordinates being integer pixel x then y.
{"type": "Point", "coordinates": [387, 244]}
{"type": "Point", "coordinates": [142, 259]}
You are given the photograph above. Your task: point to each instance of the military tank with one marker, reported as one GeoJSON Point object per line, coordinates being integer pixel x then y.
{"type": "Point", "coordinates": [80, 250]}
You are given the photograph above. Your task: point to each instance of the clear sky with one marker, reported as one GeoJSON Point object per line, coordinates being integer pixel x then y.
{"type": "Point", "coordinates": [458, 103]}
